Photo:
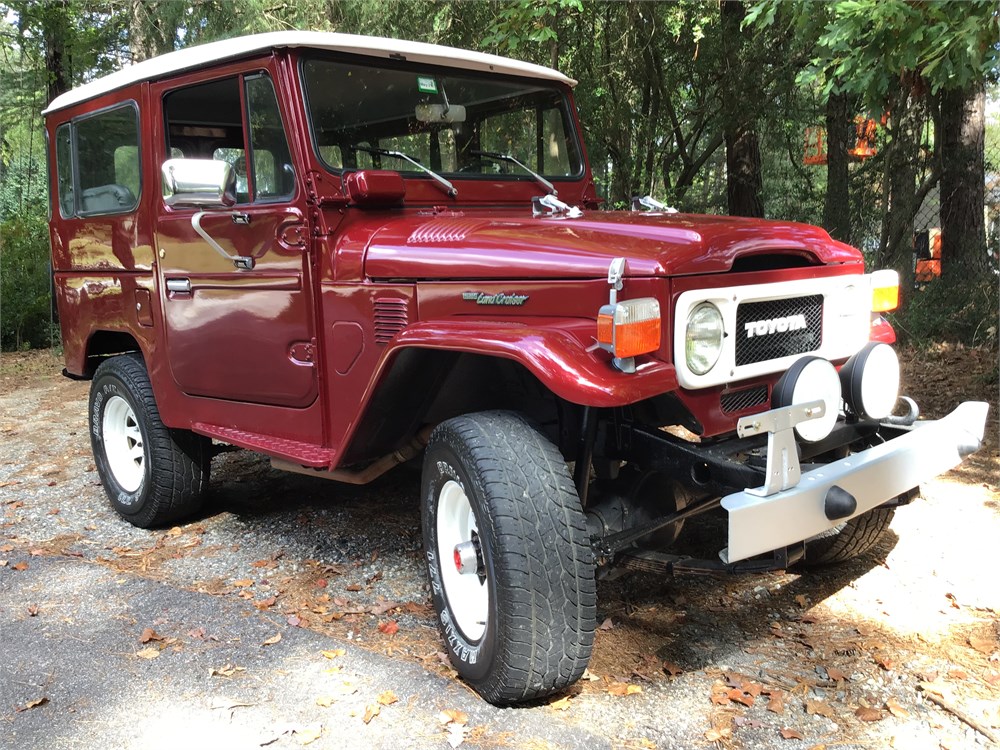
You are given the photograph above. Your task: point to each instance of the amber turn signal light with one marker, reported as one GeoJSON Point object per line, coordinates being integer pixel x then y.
{"type": "Point", "coordinates": [885, 291]}
{"type": "Point", "coordinates": [627, 329]}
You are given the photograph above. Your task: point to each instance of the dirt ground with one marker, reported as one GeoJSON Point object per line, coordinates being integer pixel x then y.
{"type": "Point", "coordinates": [898, 649]}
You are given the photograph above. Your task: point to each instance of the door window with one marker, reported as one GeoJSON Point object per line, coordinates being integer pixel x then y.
{"type": "Point", "coordinates": [214, 121]}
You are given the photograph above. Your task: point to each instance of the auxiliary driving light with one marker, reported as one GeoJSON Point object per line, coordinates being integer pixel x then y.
{"type": "Point", "coordinates": [810, 379]}
{"type": "Point", "coordinates": [870, 381]}
{"type": "Point", "coordinates": [629, 328]}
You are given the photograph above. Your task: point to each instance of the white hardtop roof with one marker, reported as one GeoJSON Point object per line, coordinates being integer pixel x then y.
{"type": "Point", "coordinates": [243, 46]}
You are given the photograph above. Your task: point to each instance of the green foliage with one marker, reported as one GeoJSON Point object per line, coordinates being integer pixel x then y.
{"type": "Point", "coordinates": [963, 311]}
{"type": "Point", "coordinates": [863, 46]}
{"type": "Point", "coordinates": [24, 283]}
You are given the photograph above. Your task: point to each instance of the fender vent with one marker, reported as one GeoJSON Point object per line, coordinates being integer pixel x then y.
{"type": "Point", "coordinates": [746, 398]}
{"type": "Point", "coordinates": [392, 315]}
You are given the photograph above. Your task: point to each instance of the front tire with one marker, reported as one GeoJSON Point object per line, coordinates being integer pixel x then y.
{"type": "Point", "coordinates": [849, 539]}
{"type": "Point", "coordinates": [153, 475]}
{"type": "Point", "coordinates": [519, 622]}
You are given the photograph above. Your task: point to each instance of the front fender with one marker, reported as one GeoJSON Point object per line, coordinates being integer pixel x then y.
{"type": "Point", "coordinates": [559, 352]}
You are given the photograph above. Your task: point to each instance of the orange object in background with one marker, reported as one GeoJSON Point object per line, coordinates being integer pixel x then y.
{"type": "Point", "coordinates": [928, 247]}
{"type": "Point", "coordinates": [814, 152]}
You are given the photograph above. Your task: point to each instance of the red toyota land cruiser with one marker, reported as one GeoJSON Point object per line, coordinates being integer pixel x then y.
{"type": "Point", "coordinates": [343, 252]}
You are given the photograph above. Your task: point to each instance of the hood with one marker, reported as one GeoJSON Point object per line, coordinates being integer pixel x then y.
{"type": "Point", "coordinates": [458, 246]}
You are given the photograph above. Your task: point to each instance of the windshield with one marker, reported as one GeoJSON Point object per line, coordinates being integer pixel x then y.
{"type": "Point", "coordinates": [440, 120]}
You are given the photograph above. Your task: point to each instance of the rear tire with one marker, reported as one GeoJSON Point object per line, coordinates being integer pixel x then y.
{"type": "Point", "coordinates": [153, 475]}
{"type": "Point", "coordinates": [519, 623]}
{"type": "Point", "coordinates": [850, 539]}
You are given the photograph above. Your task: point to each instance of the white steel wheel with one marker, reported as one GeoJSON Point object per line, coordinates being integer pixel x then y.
{"type": "Point", "coordinates": [123, 444]}
{"type": "Point", "coordinates": [467, 591]}
{"type": "Point", "coordinates": [152, 474]}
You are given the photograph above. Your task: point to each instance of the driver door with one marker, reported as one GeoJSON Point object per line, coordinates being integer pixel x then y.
{"type": "Point", "coordinates": [239, 331]}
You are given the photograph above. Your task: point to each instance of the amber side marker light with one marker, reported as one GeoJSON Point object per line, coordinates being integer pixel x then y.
{"type": "Point", "coordinates": [885, 291]}
{"type": "Point", "coordinates": [627, 329]}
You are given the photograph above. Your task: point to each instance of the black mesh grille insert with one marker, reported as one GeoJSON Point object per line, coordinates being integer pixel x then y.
{"type": "Point", "coordinates": [778, 328]}
{"type": "Point", "coordinates": [746, 398]}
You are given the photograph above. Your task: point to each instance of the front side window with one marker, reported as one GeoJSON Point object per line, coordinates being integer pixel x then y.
{"type": "Point", "coordinates": [206, 121]}
{"type": "Point", "coordinates": [441, 120]}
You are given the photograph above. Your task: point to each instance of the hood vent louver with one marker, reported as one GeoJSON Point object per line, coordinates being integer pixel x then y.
{"type": "Point", "coordinates": [392, 315]}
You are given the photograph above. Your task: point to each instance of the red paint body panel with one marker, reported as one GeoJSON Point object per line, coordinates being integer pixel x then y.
{"type": "Point", "coordinates": [487, 246]}
{"type": "Point", "coordinates": [351, 271]}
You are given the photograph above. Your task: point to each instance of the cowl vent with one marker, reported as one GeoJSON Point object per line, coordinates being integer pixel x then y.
{"type": "Point", "coordinates": [392, 315]}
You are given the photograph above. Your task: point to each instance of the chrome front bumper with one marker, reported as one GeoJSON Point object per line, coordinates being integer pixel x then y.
{"type": "Point", "coordinates": [760, 522]}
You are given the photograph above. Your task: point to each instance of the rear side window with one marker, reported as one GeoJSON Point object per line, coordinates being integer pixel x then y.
{"type": "Point", "coordinates": [97, 163]}
{"type": "Point", "coordinates": [64, 170]}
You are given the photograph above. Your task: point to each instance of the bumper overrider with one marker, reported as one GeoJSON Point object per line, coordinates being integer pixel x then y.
{"type": "Point", "coordinates": [795, 505]}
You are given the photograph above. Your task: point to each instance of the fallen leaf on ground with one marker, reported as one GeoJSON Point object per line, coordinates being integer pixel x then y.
{"type": "Point", "coordinates": [32, 610]}
{"type": "Point", "coordinates": [7, 547]}
{"type": "Point", "coordinates": [982, 645]}
{"type": "Point", "coordinates": [227, 670]}
{"type": "Point", "coordinates": [819, 707]}
{"type": "Point", "coordinates": [325, 701]}
{"type": "Point", "coordinates": [266, 603]}
{"type": "Point", "coordinates": [606, 625]}
{"type": "Point", "coordinates": [20, 566]}
{"type": "Point", "coordinates": [835, 674]}
{"type": "Point", "coordinates": [453, 715]}
{"type": "Point", "coordinates": [622, 689]}
{"type": "Point", "coordinates": [389, 627]}
{"type": "Point", "coordinates": [243, 583]}
{"type": "Point", "coordinates": [32, 704]}
{"type": "Point", "coordinates": [717, 734]}
{"type": "Point", "coordinates": [308, 734]}
{"type": "Point", "coordinates": [869, 714]}
{"type": "Point", "coordinates": [560, 705]}
{"type": "Point", "coordinates": [776, 701]}
{"type": "Point", "coordinates": [149, 635]}
{"type": "Point", "coordinates": [276, 638]}
{"type": "Point", "coordinates": [896, 709]}
{"type": "Point", "coordinates": [371, 711]}
{"type": "Point", "coordinates": [294, 620]}
{"type": "Point", "coordinates": [387, 698]}
{"type": "Point", "coordinates": [3, 563]}
{"type": "Point", "coordinates": [885, 662]}
{"type": "Point", "coordinates": [671, 669]}
{"type": "Point", "coordinates": [148, 653]}
{"type": "Point", "coordinates": [353, 587]}
{"type": "Point", "coordinates": [334, 653]}
{"type": "Point", "coordinates": [791, 734]}
{"type": "Point", "coordinates": [802, 601]}
{"type": "Point", "coordinates": [739, 696]}
{"type": "Point", "coordinates": [589, 676]}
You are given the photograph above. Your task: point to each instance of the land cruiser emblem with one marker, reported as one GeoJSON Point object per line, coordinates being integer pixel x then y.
{"type": "Point", "coordinates": [775, 325]}
{"type": "Point", "coordinates": [500, 298]}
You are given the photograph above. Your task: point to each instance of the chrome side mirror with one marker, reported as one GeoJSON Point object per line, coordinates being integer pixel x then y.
{"type": "Point", "coordinates": [199, 183]}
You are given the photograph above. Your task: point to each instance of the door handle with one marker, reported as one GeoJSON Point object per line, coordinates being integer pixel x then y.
{"type": "Point", "coordinates": [179, 285]}
{"type": "Point", "coordinates": [241, 217]}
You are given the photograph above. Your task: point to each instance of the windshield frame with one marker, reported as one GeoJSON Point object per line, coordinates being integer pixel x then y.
{"type": "Point", "coordinates": [564, 107]}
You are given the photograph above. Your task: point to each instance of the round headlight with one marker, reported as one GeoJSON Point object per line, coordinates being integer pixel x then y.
{"type": "Point", "coordinates": [810, 379]}
{"type": "Point", "coordinates": [703, 341]}
{"type": "Point", "coordinates": [871, 381]}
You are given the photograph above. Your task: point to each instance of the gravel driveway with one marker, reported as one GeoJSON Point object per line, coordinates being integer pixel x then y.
{"type": "Point", "coordinates": [111, 636]}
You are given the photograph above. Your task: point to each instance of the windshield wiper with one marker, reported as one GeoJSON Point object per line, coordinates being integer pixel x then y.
{"type": "Point", "coordinates": [449, 188]}
{"type": "Point", "coordinates": [508, 158]}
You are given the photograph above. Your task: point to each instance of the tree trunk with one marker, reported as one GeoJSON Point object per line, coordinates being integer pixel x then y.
{"type": "Point", "coordinates": [837, 207]}
{"type": "Point", "coordinates": [56, 32]}
{"type": "Point", "coordinates": [963, 231]}
{"type": "Point", "coordinates": [743, 170]}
